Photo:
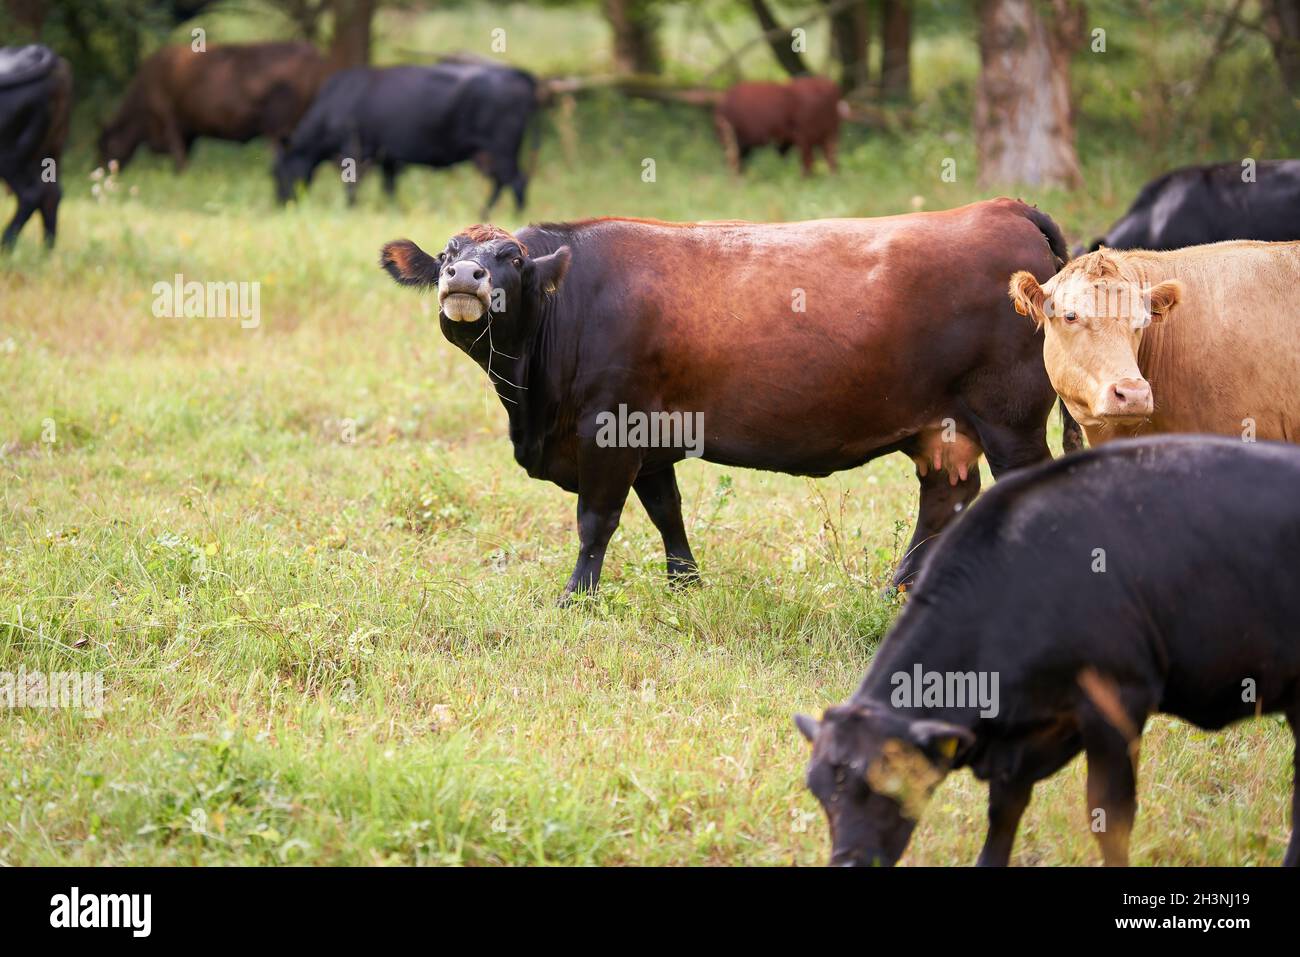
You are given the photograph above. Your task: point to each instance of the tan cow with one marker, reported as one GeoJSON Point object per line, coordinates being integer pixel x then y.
{"type": "Point", "coordinates": [1201, 339]}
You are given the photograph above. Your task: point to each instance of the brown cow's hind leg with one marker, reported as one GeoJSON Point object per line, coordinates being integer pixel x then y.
{"type": "Point", "coordinates": [663, 503]}
{"type": "Point", "coordinates": [947, 468]}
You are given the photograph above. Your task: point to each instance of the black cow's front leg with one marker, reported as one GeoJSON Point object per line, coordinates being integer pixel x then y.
{"type": "Point", "coordinates": [28, 202]}
{"type": "Point", "coordinates": [941, 502]}
{"type": "Point", "coordinates": [1008, 798]}
{"type": "Point", "coordinates": [605, 476]}
{"type": "Point", "coordinates": [1292, 858]}
{"type": "Point", "coordinates": [663, 502]}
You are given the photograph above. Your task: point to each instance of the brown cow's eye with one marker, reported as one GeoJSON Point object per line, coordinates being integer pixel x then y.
{"type": "Point", "coordinates": [1071, 316]}
{"type": "Point", "coordinates": [518, 262]}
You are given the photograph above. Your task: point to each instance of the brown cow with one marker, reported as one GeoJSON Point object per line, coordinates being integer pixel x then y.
{"type": "Point", "coordinates": [619, 347]}
{"type": "Point", "coordinates": [805, 112]}
{"type": "Point", "coordinates": [233, 92]}
{"type": "Point", "coordinates": [1200, 339]}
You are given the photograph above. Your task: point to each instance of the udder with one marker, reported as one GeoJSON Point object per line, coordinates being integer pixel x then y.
{"type": "Point", "coordinates": [942, 446]}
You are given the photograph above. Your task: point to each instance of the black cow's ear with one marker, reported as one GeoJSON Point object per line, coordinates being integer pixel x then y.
{"type": "Point", "coordinates": [549, 271]}
{"type": "Point", "coordinates": [409, 264]}
{"type": "Point", "coordinates": [807, 726]}
{"type": "Point", "coordinates": [940, 740]}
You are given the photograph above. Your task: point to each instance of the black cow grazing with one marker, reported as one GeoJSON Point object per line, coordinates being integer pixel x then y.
{"type": "Point", "coordinates": [35, 102]}
{"type": "Point", "coordinates": [619, 347]}
{"type": "Point", "coordinates": [435, 116]}
{"type": "Point", "coordinates": [1209, 204]}
{"type": "Point", "coordinates": [1153, 575]}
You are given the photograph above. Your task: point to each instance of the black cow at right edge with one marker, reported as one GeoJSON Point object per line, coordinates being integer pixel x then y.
{"type": "Point", "coordinates": [1061, 610]}
{"type": "Point", "coordinates": [1210, 204]}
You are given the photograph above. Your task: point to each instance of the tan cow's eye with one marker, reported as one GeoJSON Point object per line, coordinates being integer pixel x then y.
{"type": "Point", "coordinates": [1071, 316]}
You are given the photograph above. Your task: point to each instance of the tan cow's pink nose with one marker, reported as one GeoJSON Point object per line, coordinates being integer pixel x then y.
{"type": "Point", "coordinates": [1131, 397]}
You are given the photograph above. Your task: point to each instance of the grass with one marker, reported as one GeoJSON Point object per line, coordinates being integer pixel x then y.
{"type": "Point", "coordinates": [321, 592]}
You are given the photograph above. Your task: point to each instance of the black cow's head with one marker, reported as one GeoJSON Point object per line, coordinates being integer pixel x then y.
{"type": "Point", "coordinates": [873, 771]}
{"type": "Point", "coordinates": [291, 168]}
{"type": "Point", "coordinates": [483, 271]}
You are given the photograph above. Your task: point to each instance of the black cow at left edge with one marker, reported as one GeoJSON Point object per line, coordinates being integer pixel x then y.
{"type": "Point", "coordinates": [434, 116]}
{"type": "Point", "coordinates": [35, 102]}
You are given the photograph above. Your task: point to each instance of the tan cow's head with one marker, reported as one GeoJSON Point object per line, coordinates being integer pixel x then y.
{"type": "Point", "coordinates": [1093, 313]}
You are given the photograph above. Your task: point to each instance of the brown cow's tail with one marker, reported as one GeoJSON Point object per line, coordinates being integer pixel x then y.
{"type": "Point", "coordinates": [1071, 434]}
{"type": "Point", "coordinates": [1051, 232]}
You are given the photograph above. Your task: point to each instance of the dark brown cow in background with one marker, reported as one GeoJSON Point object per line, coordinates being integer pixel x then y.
{"type": "Point", "coordinates": [804, 113]}
{"type": "Point", "coordinates": [234, 92]}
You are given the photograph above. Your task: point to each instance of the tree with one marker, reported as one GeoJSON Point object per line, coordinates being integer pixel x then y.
{"type": "Point", "coordinates": [1281, 24]}
{"type": "Point", "coordinates": [636, 35]}
{"type": "Point", "coordinates": [1024, 117]}
{"type": "Point", "coordinates": [896, 49]}
{"type": "Point", "coordinates": [779, 39]}
{"type": "Point", "coordinates": [350, 42]}
{"type": "Point", "coordinates": [305, 14]}
{"type": "Point", "coordinates": [850, 37]}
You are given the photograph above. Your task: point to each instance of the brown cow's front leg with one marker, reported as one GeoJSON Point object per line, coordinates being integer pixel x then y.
{"type": "Point", "coordinates": [605, 476]}
{"type": "Point", "coordinates": [663, 503]}
{"type": "Point", "coordinates": [1008, 798]}
{"type": "Point", "coordinates": [1112, 789]}
{"type": "Point", "coordinates": [941, 502]}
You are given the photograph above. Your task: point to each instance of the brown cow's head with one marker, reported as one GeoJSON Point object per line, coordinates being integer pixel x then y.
{"type": "Point", "coordinates": [483, 271]}
{"type": "Point", "coordinates": [119, 140]}
{"type": "Point", "coordinates": [1093, 313]}
{"type": "Point", "coordinates": [873, 771]}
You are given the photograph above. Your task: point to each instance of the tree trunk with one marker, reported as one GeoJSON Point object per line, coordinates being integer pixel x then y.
{"type": "Point", "coordinates": [1282, 25]}
{"type": "Point", "coordinates": [636, 35]}
{"type": "Point", "coordinates": [779, 39]}
{"type": "Point", "coordinates": [850, 37]}
{"type": "Point", "coordinates": [350, 44]}
{"type": "Point", "coordinates": [1024, 117]}
{"type": "Point", "coordinates": [896, 49]}
{"type": "Point", "coordinates": [306, 16]}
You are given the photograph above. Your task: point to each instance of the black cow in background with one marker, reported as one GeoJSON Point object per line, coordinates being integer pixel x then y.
{"type": "Point", "coordinates": [35, 101]}
{"type": "Point", "coordinates": [1209, 204]}
{"type": "Point", "coordinates": [435, 116]}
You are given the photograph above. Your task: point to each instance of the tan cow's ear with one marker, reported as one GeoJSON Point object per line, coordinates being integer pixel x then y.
{"type": "Point", "coordinates": [1163, 298]}
{"type": "Point", "coordinates": [1027, 296]}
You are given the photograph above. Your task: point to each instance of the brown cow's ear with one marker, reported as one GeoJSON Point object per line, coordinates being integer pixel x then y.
{"type": "Point", "coordinates": [409, 264]}
{"type": "Point", "coordinates": [1162, 298]}
{"type": "Point", "coordinates": [1027, 296]}
{"type": "Point", "coordinates": [549, 271]}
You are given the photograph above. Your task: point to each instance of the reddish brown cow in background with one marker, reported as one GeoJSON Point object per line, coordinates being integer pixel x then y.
{"type": "Point", "coordinates": [235, 92]}
{"type": "Point", "coordinates": [805, 112]}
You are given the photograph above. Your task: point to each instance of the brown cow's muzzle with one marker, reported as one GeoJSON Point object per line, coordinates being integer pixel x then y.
{"type": "Point", "coordinates": [1126, 401]}
{"type": "Point", "coordinates": [464, 291]}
